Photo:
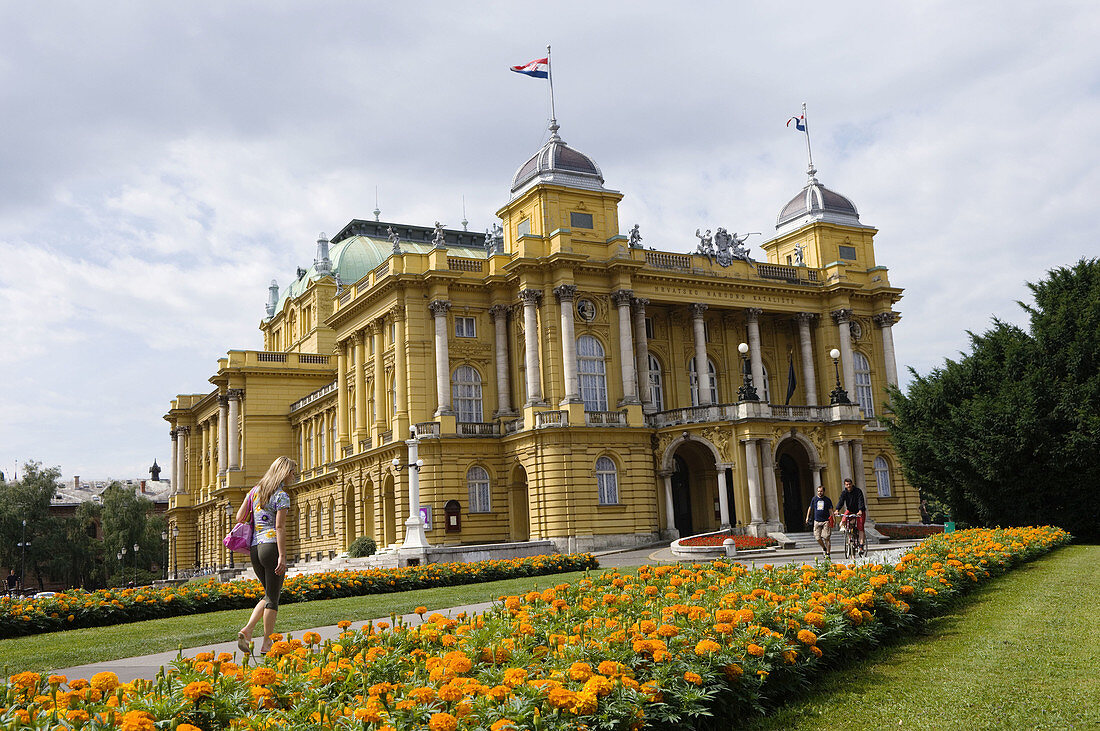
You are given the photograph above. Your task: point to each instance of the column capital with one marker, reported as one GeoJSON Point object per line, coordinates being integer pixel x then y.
{"type": "Point", "coordinates": [372, 327]}
{"type": "Point", "coordinates": [806, 317]}
{"type": "Point", "coordinates": [223, 400]}
{"type": "Point", "coordinates": [885, 319]}
{"type": "Point", "coordinates": [235, 394]}
{"type": "Point", "coordinates": [622, 297]}
{"type": "Point", "coordinates": [397, 312]}
{"type": "Point", "coordinates": [752, 314]}
{"type": "Point", "coordinates": [357, 338]}
{"type": "Point", "coordinates": [530, 296]}
{"type": "Point", "coordinates": [565, 292]}
{"type": "Point", "coordinates": [844, 314]}
{"type": "Point", "coordinates": [172, 433]}
{"type": "Point", "coordinates": [183, 430]}
{"type": "Point", "coordinates": [499, 311]}
{"type": "Point", "coordinates": [697, 310]}
{"type": "Point", "coordinates": [439, 308]}
{"type": "Point", "coordinates": [640, 303]}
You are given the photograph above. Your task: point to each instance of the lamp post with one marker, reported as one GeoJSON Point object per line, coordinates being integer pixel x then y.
{"type": "Point", "coordinates": [121, 564]}
{"type": "Point", "coordinates": [23, 566]}
{"type": "Point", "coordinates": [838, 395]}
{"type": "Point", "coordinates": [164, 542]}
{"type": "Point", "coordinates": [175, 552]}
{"type": "Point", "coordinates": [135, 563]}
{"type": "Point", "coordinates": [415, 538]}
{"type": "Point", "coordinates": [747, 392]}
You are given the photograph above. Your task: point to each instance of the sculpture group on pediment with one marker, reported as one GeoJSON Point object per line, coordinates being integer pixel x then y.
{"type": "Point", "coordinates": [723, 247]}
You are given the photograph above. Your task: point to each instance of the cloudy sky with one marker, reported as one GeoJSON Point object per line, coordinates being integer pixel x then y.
{"type": "Point", "coordinates": [161, 162]}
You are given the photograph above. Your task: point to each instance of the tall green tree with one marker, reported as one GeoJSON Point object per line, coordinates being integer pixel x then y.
{"type": "Point", "coordinates": [128, 520]}
{"type": "Point", "coordinates": [28, 499]}
{"type": "Point", "coordinates": [1009, 434]}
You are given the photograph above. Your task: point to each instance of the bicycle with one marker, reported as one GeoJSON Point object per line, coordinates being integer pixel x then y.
{"type": "Point", "coordinates": [849, 525]}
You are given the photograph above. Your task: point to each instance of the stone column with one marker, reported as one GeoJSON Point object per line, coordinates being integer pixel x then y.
{"type": "Point", "coordinates": [859, 474]}
{"type": "Point", "coordinates": [234, 446]}
{"type": "Point", "coordinates": [400, 370]}
{"type": "Point", "coordinates": [223, 433]}
{"type": "Point", "coordinates": [641, 347]}
{"type": "Point", "coordinates": [845, 461]}
{"type": "Point", "coordinates": [809, 377]}
{"type": "Point", "coordinates": [499, 315]}
{"type": "Point", "coordinates": [530, 298]}
{"type": "Point", "coordinates": [622, 300]}
{"type": "Point", "coordinates": [670, 506]}
{"type": "Point", "coordinates": [376, 332]}
{"type": "Point", "coordinates": [360, 389]}
{"type": "Point", "coordinates": [702, 372]}
{"type": "Point", "coordinates": [771, 493]}
{"type": "Point", "coordinates": [723, 498]}
{"type": "Point", "coordinates": [752, 320]}
{"type": "Point", "coordinates": [565, 294]}
{"type": "Point", "coordinates": [341, 398]}
{"type": "Point", "coordinates": [885, 321]}
{"type": "Point", "coordinates": [843, 319]}
{"type": "Point", "coordinates": [182, 433]}
{"type": "Point", "coordinates": [439, 310]}
{"type": "Point", "coordinates": [752, 471]}
{"type": "Point", "coordinates": [816, 469]}
{"type": "Point", "coordinates": [174, 467]}
{"type": "Point", "coordinates": [204, 462]}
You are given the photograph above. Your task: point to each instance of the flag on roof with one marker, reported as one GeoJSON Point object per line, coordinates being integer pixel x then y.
{"type": "Point", "coordinates": [539, 68]}
{"type": "Point", "coordinates": [799, 122]}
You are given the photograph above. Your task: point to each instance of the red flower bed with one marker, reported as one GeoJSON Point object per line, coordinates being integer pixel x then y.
{"type": "Point", "coordinates": [743, 543]}
{"type": "Point", "coordinates": [908, 530]}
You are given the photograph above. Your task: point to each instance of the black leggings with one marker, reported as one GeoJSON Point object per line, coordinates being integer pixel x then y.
{"type": "Point", "coordinates": [265, 557]}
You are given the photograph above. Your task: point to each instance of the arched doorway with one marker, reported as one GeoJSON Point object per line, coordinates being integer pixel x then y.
{"type": "Point", "coordinates": [366, 509]}
{"type": "Point", "coordinates": [349, 515]}
{"type": "Point", "coordinates": [519, 521]}
{"type": "Point", "coordinates": [694, 485]}
{"type": "Point", "coordinates": [795, 482]}
{"type": "Point", "coordinates": [389, 513]}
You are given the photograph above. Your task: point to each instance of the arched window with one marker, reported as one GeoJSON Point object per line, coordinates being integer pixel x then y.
{"type": "Point", "coordinates": [332, 437]}
{"type": "Point", "coordinates": [466, 393]}
{"type": "Point", "coordinates": [372, 408]}
{"type": "Point", "coordinates": [656, 383]}
{"type": "Point", "coordinates": [393, 396]}
{"type": "Point", "coordinates": [302, 448]}
{"type": "Point", "coordinates": [864, 396]}
{"type": "Point", "coordinates": [607, 481]}
{"type": "Point", "coordinates": [882, 477]}
{"type": "Point", "coordinates": [765, 390]}
{"type": "Point", "coordinates": [592, 372]}
{"type": "Point", "coordinates": [309, 516]}
{"type": "Point", "coordinates": [320, 519]}
{"type": "Point", "coordinates": [693, 379]}
{"type": "Point", "coordinates": [309, 445]}
{"type": "Point", "coordinates": [477, 482]}
{"type": "Point", "coordinates": [331, 517]}
{"type": "Point", "coordinates": [323, 446]}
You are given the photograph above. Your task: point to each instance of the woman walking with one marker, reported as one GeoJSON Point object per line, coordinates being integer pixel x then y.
{"type": "Point", "coordinates": [266, 507]}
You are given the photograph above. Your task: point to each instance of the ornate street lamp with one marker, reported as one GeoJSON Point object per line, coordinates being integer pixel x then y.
{"type": "Point", "coordinates": [838, 394]}
{"type": "Point", "coordinates": [164, 542]}
{"type": "Point", "coordinates": [415, 537]}
{"type": "Point", "coordinates": [175, 552]}
{"type": "Point", "coordinates": [23, 568]}
{"type": "Point", "coordinates": [135, 563]}
{"type": "Point", "coordinates": [747, 392]}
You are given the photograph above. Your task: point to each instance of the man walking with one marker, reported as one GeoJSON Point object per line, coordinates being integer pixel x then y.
{"type": "Point", "coordinates": [852, 501]}
{"type": "Point", "coordinates": [12, 581]}
{"type": "Point", "coordinates": [821, 511]}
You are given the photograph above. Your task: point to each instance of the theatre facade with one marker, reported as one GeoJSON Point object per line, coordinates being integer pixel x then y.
{"type": "Point", "coordinates": [563, 380]}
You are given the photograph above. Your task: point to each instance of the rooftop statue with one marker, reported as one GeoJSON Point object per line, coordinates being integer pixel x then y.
{"type": "Point", "coordinates": [395, 239]}
{"type": "Point", "coordinates": [635, 238]}
{"type": "Point", "coordinates": [437, 240]}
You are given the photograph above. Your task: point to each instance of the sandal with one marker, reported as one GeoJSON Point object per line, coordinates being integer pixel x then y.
{"type": "Point", "coordinates": [243, 642]}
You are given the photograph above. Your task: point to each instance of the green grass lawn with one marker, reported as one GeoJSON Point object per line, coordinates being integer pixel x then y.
{"type": "Point", "coordinates": [1020, 653]}
{"type": "Point", "coordinates": [97, 644]}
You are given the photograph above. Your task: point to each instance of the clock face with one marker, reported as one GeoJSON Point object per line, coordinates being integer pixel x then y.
{"type": "Point", "coordinates": [586, 310]}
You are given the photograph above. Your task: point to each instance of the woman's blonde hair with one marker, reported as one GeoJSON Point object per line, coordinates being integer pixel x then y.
{"type": "Point", "coordinates": [276, 474]}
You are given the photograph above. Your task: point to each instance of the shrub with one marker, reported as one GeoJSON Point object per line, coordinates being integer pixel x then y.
{"type": "Point", "coordinates": [362, 546]}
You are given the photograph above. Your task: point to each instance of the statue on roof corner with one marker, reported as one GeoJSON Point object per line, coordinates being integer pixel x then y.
{"type": "Point", "coordinates": [394, 238]}
{"type": "Point", "coordinates": [437, 239]}
{"type": "Point", "coordinates": [800, 255]}
{"type": "Point", "coordinates": [635, 237]}
{"type": "Point", "coordinates": [706, 244]}
{"type": "Point", "coordinates": [494, 240]}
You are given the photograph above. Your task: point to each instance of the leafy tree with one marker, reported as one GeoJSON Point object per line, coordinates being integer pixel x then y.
{"type": "Point", "coordinates": [128, 520]}
{"type": "Point", "coordinates": [29, 499]}
{"type": "Point", "coordinates": [1010, 433]}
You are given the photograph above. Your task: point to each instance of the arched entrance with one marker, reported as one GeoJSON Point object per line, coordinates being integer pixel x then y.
{"type": "Point", "coordinates": [694, 484]}
{"type": "Point", "coordinates": [389, 513]}
{"type": "Point", "coordinates": [349, 515]}
{"type": "Point", "coordinates": [519, 521]}
{"type": "Point", "coordinates": [795, 482]}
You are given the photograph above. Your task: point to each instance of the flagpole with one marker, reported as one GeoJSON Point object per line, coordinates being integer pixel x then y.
{"type": "Point", "coordinates": [550, 76]}
{"type": "Point", "coordinates": [806, 122]}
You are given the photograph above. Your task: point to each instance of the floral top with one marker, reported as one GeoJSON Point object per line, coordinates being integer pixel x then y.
{"type": "Point", "coordinates": [263, 517]}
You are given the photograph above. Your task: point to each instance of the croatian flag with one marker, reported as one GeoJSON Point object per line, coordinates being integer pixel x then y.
{"type": "Point", "coordinates": [539, 68]}
{"type": "Point", "coordinates": [799, 122]}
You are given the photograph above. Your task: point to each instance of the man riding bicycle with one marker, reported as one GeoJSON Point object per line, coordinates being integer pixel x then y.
{"type": "Point", "coordinates": [853, 503]}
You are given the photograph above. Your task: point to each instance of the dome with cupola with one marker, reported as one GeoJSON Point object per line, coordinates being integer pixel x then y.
{"type": "Point", "coordinates": [557, 163]}
{"type": "Point", "coordinates": [815, 202]}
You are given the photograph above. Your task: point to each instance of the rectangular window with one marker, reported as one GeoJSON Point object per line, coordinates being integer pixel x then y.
{"type": "Point", "coordinates": [465, 327]}
{"type": "Point", "coordinates": [580, 220]}
{"type": "Point", "coordinates": [649, 327]}
{"type": "Point", "coordinates": [847, 253]}
{"type": "Point", "coordinates": [524, 227]}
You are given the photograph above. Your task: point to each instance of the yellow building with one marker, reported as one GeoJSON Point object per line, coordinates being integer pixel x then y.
{"type": "Point", "coordinates": [548, 373]}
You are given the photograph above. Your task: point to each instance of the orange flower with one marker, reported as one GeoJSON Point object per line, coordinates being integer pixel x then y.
{"type": "Point", "coordinates": [705, 647]}
{"type": "Point", "coordinates": [138, 721]}
{"type": "Point", "coordinates": [105, 682]}
{"type": "Point", "coordinates": [755, 650]}
{"type": "Point", "coordinates": [693, 678]}
{"type": "Point", "coordinates": [504, 724]}
{"type": "Point", "coordinates": [807, 637]}
{"type": "Point", "coordinates": [263, 676]}
{"type": "Point", "coordinates": [580, 671]}
{"type": "Point", "coordinates": [442, 722]}
{"type": "Point", "coordinates": [311, 638]}
{"type": "Point", "coordinates": [198, 690]}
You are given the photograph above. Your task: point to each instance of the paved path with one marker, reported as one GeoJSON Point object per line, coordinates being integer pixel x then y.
{"type": "Point", "coordinates": [146, 666]}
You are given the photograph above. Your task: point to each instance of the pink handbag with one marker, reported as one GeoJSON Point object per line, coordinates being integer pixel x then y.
{"type": "Point", "coordinates": [239, 539]}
